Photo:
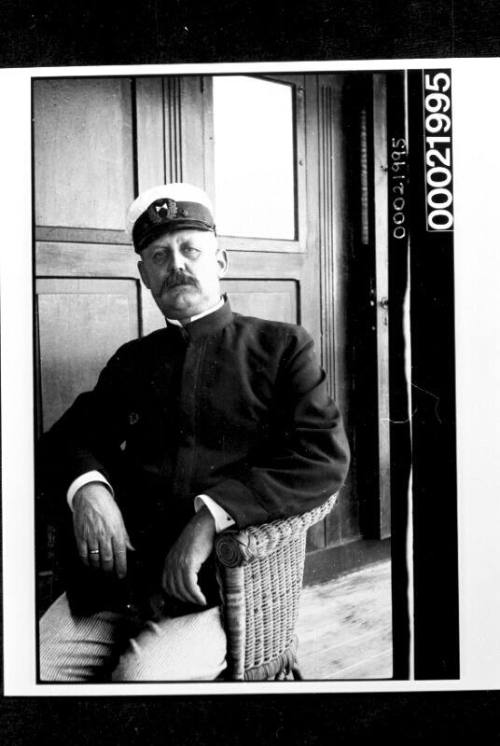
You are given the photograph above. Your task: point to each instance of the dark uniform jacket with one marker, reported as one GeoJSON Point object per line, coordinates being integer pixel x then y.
{"type": "Point", "coordinates": [229, 406]}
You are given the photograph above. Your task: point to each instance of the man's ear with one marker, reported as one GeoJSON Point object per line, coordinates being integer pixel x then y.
{"type": "Point", "coordinates": [222, 261]}
{"type": "Point", "coordinates": [143, 273]}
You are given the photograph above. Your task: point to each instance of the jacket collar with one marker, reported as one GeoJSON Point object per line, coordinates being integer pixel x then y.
{"type": "Point", "coordinates": [206, 325]}
{"type": "Point", "coordinates": [216, 307]}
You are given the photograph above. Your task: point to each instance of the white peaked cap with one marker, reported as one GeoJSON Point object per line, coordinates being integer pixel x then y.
{"type": "Point", "coordinates": [178, 191]}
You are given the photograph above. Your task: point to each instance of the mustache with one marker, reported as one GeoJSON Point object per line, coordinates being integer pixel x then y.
{"type": "Point", "coordinates": [178, 277]}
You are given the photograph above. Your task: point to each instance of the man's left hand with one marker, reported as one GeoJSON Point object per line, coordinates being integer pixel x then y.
{"type": "Point", "coordinates": [183, 562]}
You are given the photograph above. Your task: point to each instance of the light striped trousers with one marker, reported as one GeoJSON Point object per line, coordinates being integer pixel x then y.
{"type": "Point", "coordinates": [104, 647]}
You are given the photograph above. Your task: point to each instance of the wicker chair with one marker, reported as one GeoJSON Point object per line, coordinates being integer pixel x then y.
{"type": "Point", "coordinates": [260, 571]}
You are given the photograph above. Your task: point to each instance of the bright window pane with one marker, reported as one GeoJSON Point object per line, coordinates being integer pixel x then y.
{"type": "Point", "coordinates": [254, 158]}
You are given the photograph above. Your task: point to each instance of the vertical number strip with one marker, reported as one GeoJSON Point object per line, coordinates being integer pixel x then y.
{"type": "Point", "coordinates": [438, 153]}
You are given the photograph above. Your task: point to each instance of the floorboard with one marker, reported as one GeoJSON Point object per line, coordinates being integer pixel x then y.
{"type": "Point", "coordinates": [345, 626]}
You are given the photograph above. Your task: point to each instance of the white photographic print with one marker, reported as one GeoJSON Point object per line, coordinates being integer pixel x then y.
{"type": "Point", "coordinates": [349, 201]}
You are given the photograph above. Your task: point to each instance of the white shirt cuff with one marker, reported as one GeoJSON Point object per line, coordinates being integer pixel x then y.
{"type": "Point", "coordinates": [221, 518]}
{"type": "Point", "coordinates": [89, 476]}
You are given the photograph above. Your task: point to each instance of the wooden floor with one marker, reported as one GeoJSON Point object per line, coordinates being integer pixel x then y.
{"type": "Point", "coordinates": [345, 626]}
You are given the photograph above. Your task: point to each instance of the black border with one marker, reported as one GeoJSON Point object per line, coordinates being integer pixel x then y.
{"type": "Point", "coordinates": [58, 32]}
{"type": "Point", "coordinates": [434, 467]}
{"type": "Point", "coordinates": [29, 39]}
{"type": "Point", "coordinates": [305, 720]}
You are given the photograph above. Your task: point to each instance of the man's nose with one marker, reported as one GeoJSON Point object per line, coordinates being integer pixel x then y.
{"type": "Point", "coordinates": [176, 260]}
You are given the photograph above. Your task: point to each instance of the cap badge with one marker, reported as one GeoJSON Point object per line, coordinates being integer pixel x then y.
{"type": "Point", "coordinates": [162, 210]}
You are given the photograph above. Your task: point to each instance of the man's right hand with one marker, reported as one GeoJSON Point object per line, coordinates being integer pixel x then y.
{"type": "Point", "coordinates": [100, 533]}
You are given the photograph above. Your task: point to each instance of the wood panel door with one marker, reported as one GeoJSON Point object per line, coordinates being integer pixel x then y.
{"type": "Point", "coordinates": [88, 296]}
{"type": "Point", "coordinates": [83, 158]}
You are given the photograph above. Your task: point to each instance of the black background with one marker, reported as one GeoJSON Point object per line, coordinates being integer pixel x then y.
{"type": "Point", "coordinates": [435, 562]}
{"type": "Point", "coordinates": [58, 33]}
{"type": "Point", "coordinates": [290, 719]}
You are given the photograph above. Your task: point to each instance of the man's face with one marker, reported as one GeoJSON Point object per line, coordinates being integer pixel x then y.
{"type": "Point", "coordinates": [183, 270]}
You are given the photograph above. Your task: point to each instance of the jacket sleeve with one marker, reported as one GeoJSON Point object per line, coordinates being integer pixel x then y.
{"type": "Point", "coordinates": [86, 438]}
{"type": "Point", "coordinates": [307, 459]}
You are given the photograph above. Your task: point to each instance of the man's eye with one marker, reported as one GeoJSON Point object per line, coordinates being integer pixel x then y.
{"type": "Point", "coordinates": [159, 258]}
{"type": "Point", "coordinates": [190, 251]}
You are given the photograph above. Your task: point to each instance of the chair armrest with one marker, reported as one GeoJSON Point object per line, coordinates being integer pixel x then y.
{"type": "Point", "coordinates": [235, 548]}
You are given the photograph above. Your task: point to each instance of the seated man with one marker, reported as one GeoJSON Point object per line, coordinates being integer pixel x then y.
{"type": "Point", "coordinates": [217, 419]}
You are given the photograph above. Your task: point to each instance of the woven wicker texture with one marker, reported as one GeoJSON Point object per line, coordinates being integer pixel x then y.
{"type": "Point", "coordinates": [260, 571]}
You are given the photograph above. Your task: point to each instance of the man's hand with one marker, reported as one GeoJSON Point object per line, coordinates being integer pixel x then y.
{"type": "Point", "coordinates": [98, 525]}
{"type": "Point", "coordinates": [183, 562]}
